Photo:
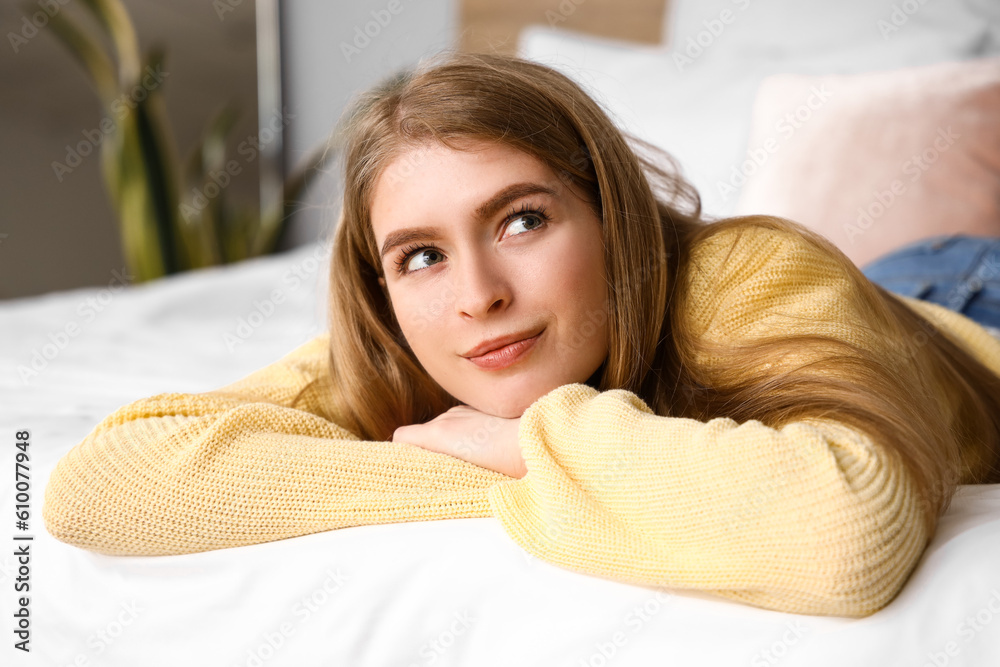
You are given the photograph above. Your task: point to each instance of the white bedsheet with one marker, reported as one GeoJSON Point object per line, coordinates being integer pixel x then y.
{"type": "Point", "coordinates": [455, 592]}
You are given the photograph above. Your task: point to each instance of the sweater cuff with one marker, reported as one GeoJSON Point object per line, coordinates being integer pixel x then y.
{"type": "Point", "coordinates": [547, 512]}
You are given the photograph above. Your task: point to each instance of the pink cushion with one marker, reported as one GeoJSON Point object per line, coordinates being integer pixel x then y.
{"type": "Point", "coordinates": [877, 160]}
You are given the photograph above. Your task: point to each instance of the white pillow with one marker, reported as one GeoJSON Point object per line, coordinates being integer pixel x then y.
{"type": "Point", "coordinates": [703, 121]}
{"type": "Point", "coordinates": [883, 31]}
{"type": "Point", "coordinates": [700, 111]}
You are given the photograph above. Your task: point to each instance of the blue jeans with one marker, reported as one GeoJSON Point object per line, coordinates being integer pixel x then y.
{"type": "Point", "coordinates": [959, 272]}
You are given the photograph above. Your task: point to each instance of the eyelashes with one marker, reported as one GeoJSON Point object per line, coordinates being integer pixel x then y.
{"type": "Point", "coordinates": [525, 209]}
{"type": "Point", "coordinates": [405, 255]}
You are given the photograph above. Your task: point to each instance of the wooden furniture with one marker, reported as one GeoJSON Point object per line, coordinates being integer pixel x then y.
{"type": "Point", "coordinates": [493, 25]}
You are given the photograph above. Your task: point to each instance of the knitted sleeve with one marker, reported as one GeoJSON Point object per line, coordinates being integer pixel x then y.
{"type": "Point", "coordinates": [181, 473]}
{"type": "Point", "coordinates": [810, 518]}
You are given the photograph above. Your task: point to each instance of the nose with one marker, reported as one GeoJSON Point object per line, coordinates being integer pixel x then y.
{"type": "Point", "coordinates": [481, 286]}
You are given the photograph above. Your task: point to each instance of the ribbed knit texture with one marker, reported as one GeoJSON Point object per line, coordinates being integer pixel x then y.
{"type": "Point", "coordinates": [811, 518]}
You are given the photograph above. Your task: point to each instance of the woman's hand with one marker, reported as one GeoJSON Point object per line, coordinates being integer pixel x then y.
{"type": "Point", "coordinates": [466, 433]}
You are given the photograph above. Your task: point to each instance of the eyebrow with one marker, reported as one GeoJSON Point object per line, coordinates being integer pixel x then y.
{"type": "Point", "coordinates": [484, 211]}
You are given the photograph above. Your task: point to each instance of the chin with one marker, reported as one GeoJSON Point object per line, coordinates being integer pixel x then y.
{"type": "Point", "coordinates": [498, 408]}
{"type": "Point", "coordinates": [513, 408]}
{"type": "Point", "coordinates": [504, 411]}
{"type": "Point", "coordinates": [512, 401]}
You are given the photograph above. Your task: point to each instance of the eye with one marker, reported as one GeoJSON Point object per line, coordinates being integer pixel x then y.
{"type": "Point", "coordinates": [534, 215]}
{"type": "Point", "coordinates": [531, 216]}
{"type": "Point", "coordinates": [414, 252]}
{"type": "Point", "coordinates": [533, 219]}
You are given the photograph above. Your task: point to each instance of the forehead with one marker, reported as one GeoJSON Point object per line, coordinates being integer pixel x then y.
{"type": "Point", "coordinates": [432, 175]}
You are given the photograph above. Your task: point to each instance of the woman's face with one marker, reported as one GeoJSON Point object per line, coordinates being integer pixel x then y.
{"type": "Point", "coordinates": [487, 243]}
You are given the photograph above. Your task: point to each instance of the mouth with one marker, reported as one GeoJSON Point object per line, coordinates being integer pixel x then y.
{"type": "Point", "coordinates": [504, 353]}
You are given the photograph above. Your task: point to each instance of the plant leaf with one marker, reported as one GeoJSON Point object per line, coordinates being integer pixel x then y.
{"type": "Point", "coordinates": [114, 18]}
{"type": "Point", "coordinates": [90, 54]}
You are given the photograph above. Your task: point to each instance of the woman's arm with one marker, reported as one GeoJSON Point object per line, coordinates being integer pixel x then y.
{"type": "Point", "coordinates": [181, 473]}
{"type": "Point", "coordinates": [810, 518]}
{"type": "Point", "coordinates": [813, 517]}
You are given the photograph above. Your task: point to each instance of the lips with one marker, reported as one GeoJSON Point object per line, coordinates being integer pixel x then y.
{"type": "Point", "coordinates": [497, 343]}
{"type": "Point", "coordinates": [505, 355]}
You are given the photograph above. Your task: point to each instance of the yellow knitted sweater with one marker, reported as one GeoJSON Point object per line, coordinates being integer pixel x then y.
{"type": "Point", "coordinates": [811, 518]}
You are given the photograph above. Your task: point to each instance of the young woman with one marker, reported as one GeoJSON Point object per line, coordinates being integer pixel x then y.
{"type": "Point", "coordinates": [530, 320]}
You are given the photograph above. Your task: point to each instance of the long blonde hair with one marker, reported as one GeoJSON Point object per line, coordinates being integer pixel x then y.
{"type": "Point", "coordinates": [651, 219]}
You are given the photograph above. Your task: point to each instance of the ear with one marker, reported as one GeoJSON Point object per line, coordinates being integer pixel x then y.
{"type": "Point", "coordinates": [381, 281]}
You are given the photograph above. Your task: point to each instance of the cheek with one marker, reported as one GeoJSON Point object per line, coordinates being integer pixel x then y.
{"type": "Point", "coordinates": [580, 297]}
{"type": "Point", "coordinates": [575, 273]}
{"type": "Point", "coordinates": [420, 312]}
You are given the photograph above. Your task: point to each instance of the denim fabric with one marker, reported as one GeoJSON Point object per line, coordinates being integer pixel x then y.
{"type": "Point", "coordinates": [959, 272]}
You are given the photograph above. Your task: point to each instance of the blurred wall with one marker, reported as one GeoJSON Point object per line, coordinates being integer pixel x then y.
{"type": "Point", "coordinates": [332, 51]}
{"type": "Point", "coordinates": [61, 234]}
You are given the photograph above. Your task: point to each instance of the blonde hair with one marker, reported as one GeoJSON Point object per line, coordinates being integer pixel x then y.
{"type": "Point", "coordinates": [651, 218]}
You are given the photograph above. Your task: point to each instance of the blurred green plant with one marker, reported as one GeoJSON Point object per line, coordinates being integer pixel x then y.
{"type": "Point", "coordinates": [164, 231]}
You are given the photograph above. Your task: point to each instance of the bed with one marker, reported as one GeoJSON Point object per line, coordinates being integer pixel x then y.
{"type": "Point", "coordinates": [458, 592]}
